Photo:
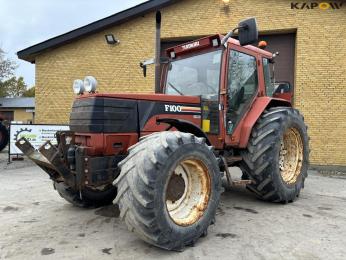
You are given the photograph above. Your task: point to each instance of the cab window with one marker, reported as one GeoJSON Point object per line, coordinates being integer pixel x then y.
{"type": "Point", "coordinates": [242, 86]}
{"type": "Point", "coordinates": [267, 78]}
{"type": "Point", "coordinates": [198, 75]}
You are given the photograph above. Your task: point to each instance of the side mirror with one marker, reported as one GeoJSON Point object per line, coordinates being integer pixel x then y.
{"type": "Point", "coordinates": [282, 87]}
{"type": "Point", "coordinates": [283, 90]}
{"type": "Point", "coordinates": [248, 31]}
{"type": "Point", "coordinates": [144, 64]}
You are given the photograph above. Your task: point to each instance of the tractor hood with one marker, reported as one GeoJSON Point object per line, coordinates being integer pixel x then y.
{"type": "Point", "coordinates": [127, 113]}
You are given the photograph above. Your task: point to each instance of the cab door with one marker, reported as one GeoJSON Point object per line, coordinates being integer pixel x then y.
{"type": "Point", "coordinates": [241, 87]}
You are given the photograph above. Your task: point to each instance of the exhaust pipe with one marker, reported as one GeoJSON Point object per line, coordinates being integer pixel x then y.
{"type": "Point", "coordinates": [158, 52]}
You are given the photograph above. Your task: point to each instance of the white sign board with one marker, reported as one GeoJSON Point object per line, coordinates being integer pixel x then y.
{"type": "Point", "coordinates": [37, 135]}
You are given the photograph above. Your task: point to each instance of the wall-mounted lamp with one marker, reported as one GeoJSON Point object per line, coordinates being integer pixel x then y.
{"type": "Point", "coordinates": [110, 39]}
{"type": "Point", "coordinates": [225, 7]}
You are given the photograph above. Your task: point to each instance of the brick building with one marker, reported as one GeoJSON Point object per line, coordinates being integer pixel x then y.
{"type": "Point", "coordinates": [19, 109]}
{"type": "Point", "coordinates": [311, 39]}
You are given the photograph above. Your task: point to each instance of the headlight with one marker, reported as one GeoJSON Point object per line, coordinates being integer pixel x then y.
{"type": "Point", "coordinates": [78, 87]}
{"type": "Point", "coordinates": [90, 84]}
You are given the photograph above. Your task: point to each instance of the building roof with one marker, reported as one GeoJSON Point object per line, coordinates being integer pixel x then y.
{"type": "Point", "coordinates": [19, 102]}
{"type": "Point", "coordinates": [31, 52]}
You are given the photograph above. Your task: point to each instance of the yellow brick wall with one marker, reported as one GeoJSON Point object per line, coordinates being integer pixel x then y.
{"type": "Point", "coordinates": [22, 115]}
{"type": "Point", "coordinates": [320, 62]}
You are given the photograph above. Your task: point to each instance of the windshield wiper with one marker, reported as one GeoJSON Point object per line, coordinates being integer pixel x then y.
{"type": "Point", "coordinates": [170, 84]}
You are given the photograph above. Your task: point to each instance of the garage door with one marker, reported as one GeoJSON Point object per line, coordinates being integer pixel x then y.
{"type": "Point", "coordinates": [283, 43]}
{"type": "Point", "coordinates": [6, 115]}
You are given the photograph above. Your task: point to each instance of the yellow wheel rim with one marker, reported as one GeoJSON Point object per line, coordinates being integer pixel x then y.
{"type": "Point", "coordinates": [188, 192]}
{"type": "Point", "coordinates": [291, 156]}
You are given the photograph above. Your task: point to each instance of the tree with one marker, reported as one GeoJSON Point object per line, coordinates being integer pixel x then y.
{"type": "Point", "coordinates": [29, 92]}
{"type": "Point", "coordinates": [14, 87]}
{"type": "Point", "coordinates": [10, 86]}
{"type": "Point", "coordinates": [2, 90]}
{"type": "Point", "coordinates": [7, 68]}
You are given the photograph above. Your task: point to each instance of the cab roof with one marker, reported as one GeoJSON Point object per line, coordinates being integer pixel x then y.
{"type": "Point", "coordinates": [207, 42]}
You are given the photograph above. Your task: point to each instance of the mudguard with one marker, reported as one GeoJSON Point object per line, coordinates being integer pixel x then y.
{"type": "Point", "coordinates": [260, 104]}
{"type": "Point", "coordinates": [185, 126]}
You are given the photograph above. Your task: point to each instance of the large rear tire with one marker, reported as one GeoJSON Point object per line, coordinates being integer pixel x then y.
{"type": "Point", "coordinates": [88, 198]}
{"type": "Point", "coordinates": [277, 155]}
{"type": "Point", "coordinates": [169, 189]}
{"type": "Point", "coordinates": [4, 137]}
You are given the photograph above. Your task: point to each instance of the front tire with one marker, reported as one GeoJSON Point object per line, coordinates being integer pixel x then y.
{"type": "Point", "coordinates": [277, 155]}
{"type": "Point", "coordinates": [169, 189]}
{"type": "Point", "coordinates": [88, 198]}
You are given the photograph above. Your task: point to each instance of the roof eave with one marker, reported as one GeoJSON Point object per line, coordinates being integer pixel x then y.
{"type": "Point", "coordinates": [29, 54]}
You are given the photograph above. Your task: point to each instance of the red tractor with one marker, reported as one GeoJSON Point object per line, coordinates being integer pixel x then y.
{"type": "Point", "coordinates": [4, 135]}
{"type": "Point", "coordinates": [163, 155]}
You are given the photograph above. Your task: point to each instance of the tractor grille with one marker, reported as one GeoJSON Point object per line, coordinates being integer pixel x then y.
{"type": "Point", "coordinates": [104, 115]}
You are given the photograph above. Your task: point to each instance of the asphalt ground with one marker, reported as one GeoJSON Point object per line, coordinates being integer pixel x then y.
{"type": "Point", "coordinates": [36, 223]}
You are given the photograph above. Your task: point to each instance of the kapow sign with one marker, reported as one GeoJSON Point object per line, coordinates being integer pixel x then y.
{"type": "Point", "coordinates": [315, 5]}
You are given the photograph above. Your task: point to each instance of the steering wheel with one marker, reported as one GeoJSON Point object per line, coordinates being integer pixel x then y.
{"type": "Point", "coordinates": [212, 90]}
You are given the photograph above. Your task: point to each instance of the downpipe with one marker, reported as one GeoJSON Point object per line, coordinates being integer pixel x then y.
{"type": "Point", "coordinates": [158, 52]}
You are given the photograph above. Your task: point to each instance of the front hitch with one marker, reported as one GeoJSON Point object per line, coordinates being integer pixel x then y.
{"type": "Point", "coordinates": [25, 146]}
{"type": "Point", "coordinates": [51, 159]}
{"type": "Point", "coordinates": [69, 163]}
{"type": "Point", "coordinates": [55, 157]}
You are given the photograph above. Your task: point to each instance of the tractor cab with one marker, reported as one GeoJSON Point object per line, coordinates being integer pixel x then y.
{"type": "Point", "coordinates": [225, 75]}
{"type": "Point", "coordinates": [195, 70]}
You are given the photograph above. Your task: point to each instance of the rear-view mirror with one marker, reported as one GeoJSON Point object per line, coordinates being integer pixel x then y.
{"type": "Point", "coordinates": [248, 31]}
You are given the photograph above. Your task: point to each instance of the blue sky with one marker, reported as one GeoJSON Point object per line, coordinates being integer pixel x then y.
{"type": "Point", "coordinates": [24, 23]}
